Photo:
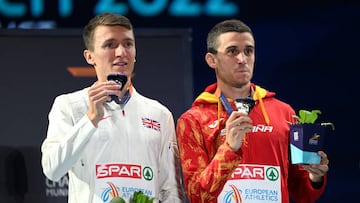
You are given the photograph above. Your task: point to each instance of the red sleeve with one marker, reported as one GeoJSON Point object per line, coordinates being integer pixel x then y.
{"type": "Point", "coordinates": [300, 187]}
{"type": "Point", "coordinates": [204, 174]}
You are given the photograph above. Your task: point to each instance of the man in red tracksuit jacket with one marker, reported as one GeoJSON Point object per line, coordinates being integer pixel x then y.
{"type": "Point", "coordinates": [234, 156]}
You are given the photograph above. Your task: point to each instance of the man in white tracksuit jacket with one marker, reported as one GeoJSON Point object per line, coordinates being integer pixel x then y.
{"type": "Point", "coordinates": [112, 148]}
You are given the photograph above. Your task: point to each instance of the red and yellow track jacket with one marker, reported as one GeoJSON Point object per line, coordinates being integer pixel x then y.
{"type": "Point", "coordinates": [208, 162]}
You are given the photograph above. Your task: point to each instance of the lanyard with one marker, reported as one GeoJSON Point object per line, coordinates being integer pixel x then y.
{"type": "Point", "coordinates": [124, 99]}
{"type": "Point", "coordinates": [228, 108]}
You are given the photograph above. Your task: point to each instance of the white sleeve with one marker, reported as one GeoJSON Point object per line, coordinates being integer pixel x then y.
{"type": "Point", "coordinates": [171, 189]}
{"type": "Point", "coordinates": [66, 138]}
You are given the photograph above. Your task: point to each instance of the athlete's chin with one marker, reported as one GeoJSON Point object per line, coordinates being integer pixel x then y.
{"type": "Point", "coordinates": [242, 84]}
{"type": "Point", "coordinates": [243, 80]}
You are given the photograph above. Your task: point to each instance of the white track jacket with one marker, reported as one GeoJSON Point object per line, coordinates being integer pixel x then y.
{"type": "Point", "coordinates": [133, 148]}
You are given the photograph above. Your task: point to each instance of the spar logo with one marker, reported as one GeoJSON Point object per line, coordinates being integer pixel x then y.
{"type": "Point", "coordinates": [272, 174]}
{"type": "Point", "coordinates": [255, 172]}
{"type": "Point", "coordinates": [124, 171]}
{"type": "Point", "coordinates": [248, 172]}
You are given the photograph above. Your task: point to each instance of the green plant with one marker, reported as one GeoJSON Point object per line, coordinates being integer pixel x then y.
{"type": "Point", "coordinates": [138, 197]}
{"type": "Point", "coordinates": [306, 116]}
{"type": "Point", "coordinates": [117, 200]}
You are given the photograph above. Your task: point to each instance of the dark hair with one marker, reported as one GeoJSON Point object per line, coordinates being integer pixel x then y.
{"type": "Point", "coordinates": [109, 19]}
{"type": "Point", "coordinates": [232, 25]}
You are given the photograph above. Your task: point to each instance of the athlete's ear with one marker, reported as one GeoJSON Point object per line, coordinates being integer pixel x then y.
{"type": "Point", "coordinates": [210, 60]}
{"type": "Point", "coordinates": [88, 57]}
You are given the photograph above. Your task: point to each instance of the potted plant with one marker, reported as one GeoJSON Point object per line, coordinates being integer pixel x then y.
{"type": "Point", "coordinates": [307, 137]}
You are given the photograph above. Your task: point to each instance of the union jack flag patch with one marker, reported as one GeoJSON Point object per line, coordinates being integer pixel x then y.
{"type": "Point", "coordinates": [150, 123]}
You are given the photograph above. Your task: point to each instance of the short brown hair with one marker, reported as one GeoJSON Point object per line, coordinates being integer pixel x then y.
{"type": "Point", "coordinates": [110, 19]}
{"type": "Point", "coordinates": [232, 25]}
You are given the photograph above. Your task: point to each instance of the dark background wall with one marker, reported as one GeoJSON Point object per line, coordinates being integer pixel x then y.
{"type": "Point", "coordinates": [39, 72]}
{"type": "Point", "coordinates": [306, 51]}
